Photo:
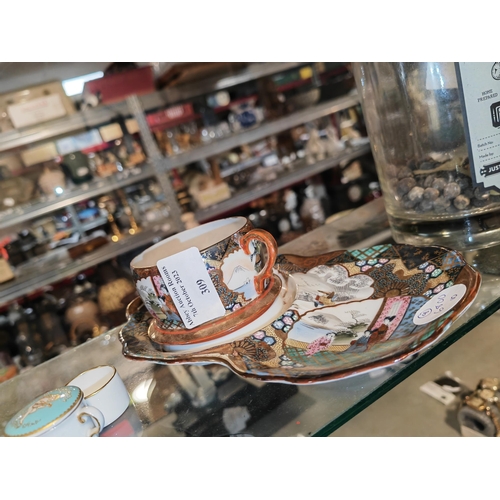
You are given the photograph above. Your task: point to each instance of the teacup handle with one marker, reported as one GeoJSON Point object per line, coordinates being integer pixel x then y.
{"type": "Point", "coordinates": [272, 251]}
{"type": "Point", "coordinates": [96, 415]}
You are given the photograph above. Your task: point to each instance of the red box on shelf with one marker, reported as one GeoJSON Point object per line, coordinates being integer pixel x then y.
{"type": "Point", "coordinates": [171, 117]}
{"type": "Point", "coordinates": [118, 86]}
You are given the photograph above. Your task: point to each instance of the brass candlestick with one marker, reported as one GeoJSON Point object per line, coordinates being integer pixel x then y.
{"type": "Point", "coordinates": [107, 203]}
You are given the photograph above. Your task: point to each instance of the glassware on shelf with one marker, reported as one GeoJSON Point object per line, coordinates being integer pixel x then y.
{"type": "Point", "coordinates": [416, 127]}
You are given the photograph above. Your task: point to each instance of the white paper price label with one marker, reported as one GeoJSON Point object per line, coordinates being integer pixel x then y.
{"type": "Point", "coordinates": [191, 288]}
{"type": "Point", "coordinates": [439, 304]}
{"type": "Point", "coordinates": [479, 85]}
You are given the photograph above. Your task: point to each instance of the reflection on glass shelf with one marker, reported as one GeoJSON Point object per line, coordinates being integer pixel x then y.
{"type": "Point", "coordinates": [58, 264]}
{"type": "Point", "coordinates": [73, 195]}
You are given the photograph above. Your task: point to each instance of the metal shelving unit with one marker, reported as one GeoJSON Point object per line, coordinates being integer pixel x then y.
{"type": "Point", "coordinates": [22, 214]}
{"type": "Point", "coordinates": [27, 284]}
{"type": "Point", "coordinates": [292, 174]}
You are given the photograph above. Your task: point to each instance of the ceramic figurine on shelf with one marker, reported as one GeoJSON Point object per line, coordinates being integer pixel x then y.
{"type": "Point", "coordinates": [134, 228]}
{"type": "Point", "coordinates": [82, 313]}
{"type": "Point", "coordinates": [315, 147]}
{"type": "Point", "coordinates": [114, 293]}
{"type": "Point", "coordinates": [311, 210]}
{"type": "Point", "coordinates": [54, 338]}
{"type": "Point", "coordinates": [28, 338]}
{"type": "Point", "coordinates": [105, 164]}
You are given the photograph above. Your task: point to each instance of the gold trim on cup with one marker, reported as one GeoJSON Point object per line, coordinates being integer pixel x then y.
{"type": "Point", "coordinates": [82, 421]}
{"type": "Point", "coordinates": [201, 250]}
{"type": "Point", "coordinates": [100, 388]}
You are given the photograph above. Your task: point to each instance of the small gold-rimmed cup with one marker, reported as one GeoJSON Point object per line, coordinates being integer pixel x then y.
{"type": "Point", "coordinates": [104, 389]}
{"type": "Point", "coordinates": [229, 254]}
{"type": "Point", "coordinates": [61, 412]}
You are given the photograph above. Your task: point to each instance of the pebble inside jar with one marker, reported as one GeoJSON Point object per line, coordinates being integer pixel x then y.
{"type": "Point", "coordinates": [416, 128]}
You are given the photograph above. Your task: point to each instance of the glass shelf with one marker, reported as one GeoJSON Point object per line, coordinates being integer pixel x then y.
{"type": "Point", "coordinates": [162, 408]}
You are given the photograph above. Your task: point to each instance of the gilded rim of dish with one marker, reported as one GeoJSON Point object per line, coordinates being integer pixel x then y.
{"type": "Point", "coordinates": [57, 420]}
{"type": "Point", "coordinates": [90, 370]}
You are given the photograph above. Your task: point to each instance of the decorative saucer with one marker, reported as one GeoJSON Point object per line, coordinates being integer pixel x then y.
{"type": "Point", "coordinates": [211, 330]}
{"type": "Point", "coordinates": [337, 315]}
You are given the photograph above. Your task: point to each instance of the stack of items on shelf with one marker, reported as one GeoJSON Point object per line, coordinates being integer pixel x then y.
{"type": "Point", "coordinates": [54, 169]}
{"type": "Point", "coordinates": [295, 210]}
{"type": "Point", "coordinates": [68, 234]}
{"type": "Point", "coordinates": [251, 165]}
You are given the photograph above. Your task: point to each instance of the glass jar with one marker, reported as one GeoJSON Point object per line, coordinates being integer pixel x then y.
{"type": "Point", "coordinates": [416, 128]}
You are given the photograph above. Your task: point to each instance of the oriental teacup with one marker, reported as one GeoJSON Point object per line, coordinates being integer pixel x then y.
{"type": "Point", "coordinates": [216, 274]}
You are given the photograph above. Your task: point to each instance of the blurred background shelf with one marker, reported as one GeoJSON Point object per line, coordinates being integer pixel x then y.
{"type": "Point", "coordinates": [187, 91]}
{"type": "Point", "coordinates": [260, 118]}
{"type": "Point", "coordinates": [262, 131]}
{"type": "Point", "coordinates": [91, 189]}
{"type": "Point", "coordinates": [292, 174]}
{"type": "Point", "coordinates": [92, 117]}
{"type": "Point", "coordinates": [47, 274]}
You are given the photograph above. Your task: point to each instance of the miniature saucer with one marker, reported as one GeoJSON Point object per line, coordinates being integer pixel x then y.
{"type": "Point", "coordinates": [213, 330]}
{"type": "Point", "coordinates": [346, 312]}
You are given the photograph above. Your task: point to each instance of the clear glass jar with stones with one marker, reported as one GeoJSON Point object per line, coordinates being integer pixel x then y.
{"type": "Point", "coordinates": [415, 124]}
